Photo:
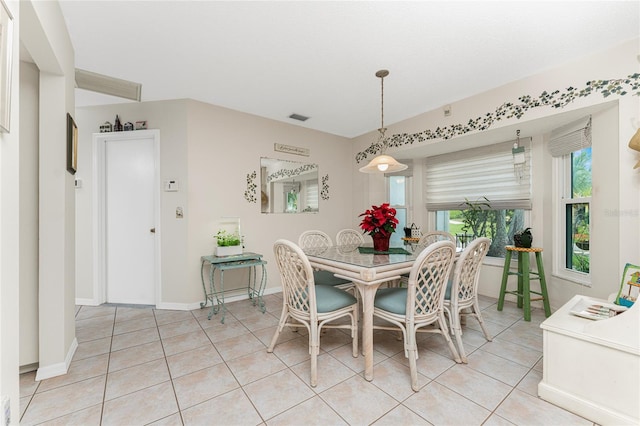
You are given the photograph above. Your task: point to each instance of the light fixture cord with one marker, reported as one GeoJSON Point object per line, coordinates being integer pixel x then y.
{"type": "Point", "coordinates": [382, 130]}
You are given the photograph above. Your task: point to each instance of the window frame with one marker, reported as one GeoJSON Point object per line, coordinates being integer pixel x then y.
{"type": "Point", "coordinates": [562, 197]}
{"type": "Point", "coordinates": [408, 191]}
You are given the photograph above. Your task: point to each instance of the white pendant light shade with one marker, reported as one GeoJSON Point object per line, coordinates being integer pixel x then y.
{"type": "Point", "coordinates": [383, 164]}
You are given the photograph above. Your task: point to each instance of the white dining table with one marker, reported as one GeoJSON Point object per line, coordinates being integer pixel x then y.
{"type": "Point", "coordinates": [367, 271]}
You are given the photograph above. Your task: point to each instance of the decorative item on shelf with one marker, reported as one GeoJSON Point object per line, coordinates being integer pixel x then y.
{"type": "Point", "coordinates": [128, 126]}
{"type": "Point", "coordinates": [407, 232]}
{"type": "Point", "coordinates": [380, 222]}
{"type": "Point", "coordinates": [141, 125]}
{"type": "Point", "coordinates": [106, 127]}
{"type": "Point", "coordinates": [519, 159]}
{"type": "Point", "coordinates": [117, 126]}
{"type": "Point", "coordinates": [415, 231]}
{"type": "Point", "coordinates": [523, 239]}
{"type": "Point", "coordinates": [228, 237]}
{"type": "Point", "coordinates": [382, 163]}
{"type": "Point", "coordinates": [630, 286]}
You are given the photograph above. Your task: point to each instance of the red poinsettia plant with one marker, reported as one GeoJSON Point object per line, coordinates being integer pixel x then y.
{"type": "Point", "coordinates": [379, 219]}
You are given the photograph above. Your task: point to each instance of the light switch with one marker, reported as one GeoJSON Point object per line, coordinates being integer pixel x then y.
{"type": "Point", "coordinates": [171, 185]}
{"type": "Point", "coordinates": [179, 213]}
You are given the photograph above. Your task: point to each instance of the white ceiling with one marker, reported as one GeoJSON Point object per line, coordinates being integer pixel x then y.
{"type": "Point", "coordinates": [319, 58]}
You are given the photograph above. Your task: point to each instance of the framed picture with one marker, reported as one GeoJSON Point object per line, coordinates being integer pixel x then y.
{"type": "Point", "coordinates": [6, 44]}
{"type": "Point", "coordinates": [72, 145]}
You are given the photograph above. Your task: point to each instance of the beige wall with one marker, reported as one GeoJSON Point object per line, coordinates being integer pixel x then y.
{"type": "Point", "coordinates": [210, 150]}
{"type": "Point", "coordinates": [615, 201]}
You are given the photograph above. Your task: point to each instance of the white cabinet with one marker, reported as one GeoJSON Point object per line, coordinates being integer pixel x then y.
{"type": "Point", "coordinates": [592, 368]}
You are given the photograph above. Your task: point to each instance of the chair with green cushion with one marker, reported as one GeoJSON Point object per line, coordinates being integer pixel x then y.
{"type": "Point", "coordinates": [461, 296]}
{"type": "Point", "coordinates": [420, 304]}
{"type": "Point", "coordinates": [319, 239]}
{"type": "Point", "coordinates": [426, 240]}
{"type": "Point", "coordinates": [307, 305]}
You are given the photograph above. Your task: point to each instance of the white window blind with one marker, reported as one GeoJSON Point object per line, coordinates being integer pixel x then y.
{"type": "Point", "coordinates": [475, 173]}
{"type": "Point", "coordinates": [311, 194]}
{"type": "Point", "coordinates": [571, 137]}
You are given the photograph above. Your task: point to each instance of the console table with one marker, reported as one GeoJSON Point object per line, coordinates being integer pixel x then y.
{"type": "Point", "coordinates": [215, 295]}
{"type": "Point", "coordinates": [592, 368]}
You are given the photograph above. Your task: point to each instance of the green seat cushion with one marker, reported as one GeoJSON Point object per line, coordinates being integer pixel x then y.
{"type": "Point", "coordinates": [327, 278]}
{"type": "Point", "coordinates": [447, 292]}
{"type": "Point", "coordinates": [331, 299]}
{"type": "Point", "coordinates": [392, 300]}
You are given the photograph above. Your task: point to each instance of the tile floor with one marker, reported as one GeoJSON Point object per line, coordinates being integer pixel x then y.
{"type": "Point", "coordinates": [145, 366]}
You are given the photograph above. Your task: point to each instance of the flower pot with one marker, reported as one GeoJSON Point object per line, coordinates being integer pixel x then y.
{"type": "Point", "coordinates": [228, 250]}
{"type": "Point", "coordinates": [380, 242]}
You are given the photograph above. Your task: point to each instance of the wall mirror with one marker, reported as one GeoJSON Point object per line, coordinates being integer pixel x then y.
{"type": "Point", "coordinates": [288, 186]}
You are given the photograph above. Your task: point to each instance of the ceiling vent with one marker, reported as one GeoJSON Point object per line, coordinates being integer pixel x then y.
{"type": "Point", "coordinates": [94, 82]}
{"type": "Point", "coordinates": [298, 117]}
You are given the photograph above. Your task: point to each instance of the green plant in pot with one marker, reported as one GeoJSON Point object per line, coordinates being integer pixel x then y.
{"type": "Point", "coordinates": [228, 243]}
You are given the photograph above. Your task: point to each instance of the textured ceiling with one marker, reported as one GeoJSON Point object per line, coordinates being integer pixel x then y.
{"type": "Point", "coordinates": [319, 58]}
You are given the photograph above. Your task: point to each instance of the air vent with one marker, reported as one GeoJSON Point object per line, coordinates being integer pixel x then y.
{"type": "Point", "coordinates": [298, 117]}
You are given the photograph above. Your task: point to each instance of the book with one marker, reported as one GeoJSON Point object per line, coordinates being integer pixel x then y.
{"type": "Point", "coordinates": [594, 310]}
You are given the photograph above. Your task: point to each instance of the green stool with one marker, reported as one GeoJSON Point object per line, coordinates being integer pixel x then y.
{"type": "Point", "coordinates": [524, 276]}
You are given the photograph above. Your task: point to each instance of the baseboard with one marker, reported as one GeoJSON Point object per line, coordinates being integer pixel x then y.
{"type": "Point", "coordinates": [60, 368]}
{"type": "Point", "coordinates": [196, 305]}
{"type": "Point", "coordinates": [582, 407]}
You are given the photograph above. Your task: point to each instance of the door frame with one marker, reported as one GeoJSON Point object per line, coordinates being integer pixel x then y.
{"type": "Point", "coordinates": [99, 209]}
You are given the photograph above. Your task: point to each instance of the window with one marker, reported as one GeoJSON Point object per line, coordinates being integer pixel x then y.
{"type": "Point", "coordinates": [571, 148]}
{"type": "Point", "coordinates": [398, 190]}
{"type": "Point", "coordinates": [476, 192]}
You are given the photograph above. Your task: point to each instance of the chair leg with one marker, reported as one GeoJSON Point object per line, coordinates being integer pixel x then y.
{"type": "Point", "coordinates": [281, 324]}
{"type": "Point", "coordinates": [456, 328]}
{"type": "Point", "coordinates": [314, 345]}
{"type": "Point", "coordinates": [478, 315]}
{"type": "Point", "coordinates": [411, 350]}
{"type": "Point", "coordinates": [354, 332]}
{"type": "Point", "coordinates": [442, 322]}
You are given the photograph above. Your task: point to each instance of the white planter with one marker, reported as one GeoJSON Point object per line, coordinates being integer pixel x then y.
{"type": "Point", "coordinates": [228, 250]}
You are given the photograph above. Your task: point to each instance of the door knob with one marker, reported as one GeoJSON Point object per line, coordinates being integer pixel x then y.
{"type": "Point", "coordinates": [152, 230]}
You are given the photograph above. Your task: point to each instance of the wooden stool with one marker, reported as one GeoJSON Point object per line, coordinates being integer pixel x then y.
{"type": "Point", "coordinates": [524, 276]}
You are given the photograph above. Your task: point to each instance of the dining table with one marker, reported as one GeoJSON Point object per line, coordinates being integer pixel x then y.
{"type": "Point", "coordinates": [368, 270]}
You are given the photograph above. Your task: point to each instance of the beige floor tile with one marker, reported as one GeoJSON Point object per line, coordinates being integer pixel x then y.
{"type": "Point", "coordinates": [142, 407]}
{"type": "Point", "coordinates": [514, 352]}
{"type": "Point", "coordinates": [180, 327]}
{"type": "Point", "coordinates": [330, 372]}
{"type": "Point", "coordinates": [499, 368]}
{"type": "Point", "coordinates": [266, 334]}
{"type": "Point", "coordinates": [87, 417]}
{"type": "Point", "coordinates": [255, 366]}
{"type": "Point", "coordinates": [87, 334]}
{"type": "Point", "coordinates": [358, 401]}
{"type": "Point", "coordinates": [135, 378]}
{"type": "Point", "coordinates": [441, 406]}
{"type": "Point", "coordinates": [539, 365]}
{"type": "Point", "coordinates": [218, 332]}
{"type": "Point", "coordinates": [172, 420]}
{"type": "Point", "coordinates": [394, 378]}
{"type": "Point", "coordinates": [92, 348]}
{"type": "Point", "coordinates": [28, 384]}
{"type": "Point", "coordinates": [472, 337]}
{"type": "Point", "coordinates": [128, 314]}
{"type": "Point", "coordinates": [94, 311]}
{"type": "Point", "coordinates": [78, 371]}
{"type": "Point", "coordinates": [244, 309]}
{"type": "Point", "coordinates": [523, 326]}
{"type": "Point", "coordinates": [401, 415]}
{"type": "Point", "coordinates": [134, 338]}
{"type": "Point", "coordinates": [231, 408]}
{"type": "Point", "coordinates": [388, 342]}
{"type": "Point", "coordinates": [496, 420]}
{"type": "Point", "coordinates": [523, 409]}
{"type": "Point", "coordinates": [64, 400]}
{"type": "Point", "coordinates": [166, 317]}
{"type": "Point", "coordinates": [344, 354]}
{"type": "Point", "coordinates": [493, 328]}
{"type": "Point", "coordinates": [504, 318]}
{"type": "Point", "coordinates": [239, 346]}
{"type": "Point", "coordinates": [277, 393]}
{"type": "Point", "coordinates": [99, 321]}
{"type": "Point", "coordinates": [475, 386]}
{"type": "Point", "coordinates": [136, 324]}
{"type": "Point", "coordinates": [24, 402]}
{"type": "Point", "coordinates": [531, 341]}
{"type": "Point", "coordinates": [260, 321]}
{"type": "Point", "coordinates": [313, 411]}
{"type": "Point", "coordinates": [530, 383]}
{"type": "Point", "coordinates": [185, 342]}
{"type": "Point", "coordinates": [193, 360]}
{"type": "Point", "coordinates": [202, 385]}
{"type": "Point", "coordinates": [135, 355]}
{"type": "Point", "coordinates": [429, 364]}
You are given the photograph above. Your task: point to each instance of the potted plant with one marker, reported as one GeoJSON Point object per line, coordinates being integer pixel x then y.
{"type": "Point", "coordinates": [380, 222]}
{"type": "Point", "coordinates": [228, 243]}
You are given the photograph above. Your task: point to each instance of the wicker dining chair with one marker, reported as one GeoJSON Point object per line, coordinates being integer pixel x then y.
{"type": "Point", "coordinates": [349, 237]}
{"type": "Point", "coordinates": [461, 295]}
{"type": "Point", "coordinates": [420, 304]}
{"type": "Point", "coordinates": [308, 305]}
{"type": "Point", "coordinates": [320, 239]}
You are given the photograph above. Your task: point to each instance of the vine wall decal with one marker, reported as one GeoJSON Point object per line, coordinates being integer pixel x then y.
{"type": "Point", "coordinates": [250, 193]}
{"type": "Point", "coordinates": [555, 99]}
{"type": "Point", "coordinates": [324, 193]}
{"type": "Point", "coordinates": [287, 173]}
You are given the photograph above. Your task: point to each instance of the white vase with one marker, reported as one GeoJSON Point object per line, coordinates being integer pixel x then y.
{"type": "Point", "coordinates": [228, 250]}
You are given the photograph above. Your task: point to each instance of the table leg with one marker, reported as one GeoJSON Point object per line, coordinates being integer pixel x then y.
{"type": "Point", "coordinates": [204, 287]}
{"type": "Point", "coordinates": [368, 294]}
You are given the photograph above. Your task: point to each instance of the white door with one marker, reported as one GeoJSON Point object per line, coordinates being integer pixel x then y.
{"type": "Point", "coordinates": [130, 202]}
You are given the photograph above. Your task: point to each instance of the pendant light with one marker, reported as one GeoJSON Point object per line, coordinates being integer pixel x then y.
{"type": "Point", "coordinates": [383, 163]}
